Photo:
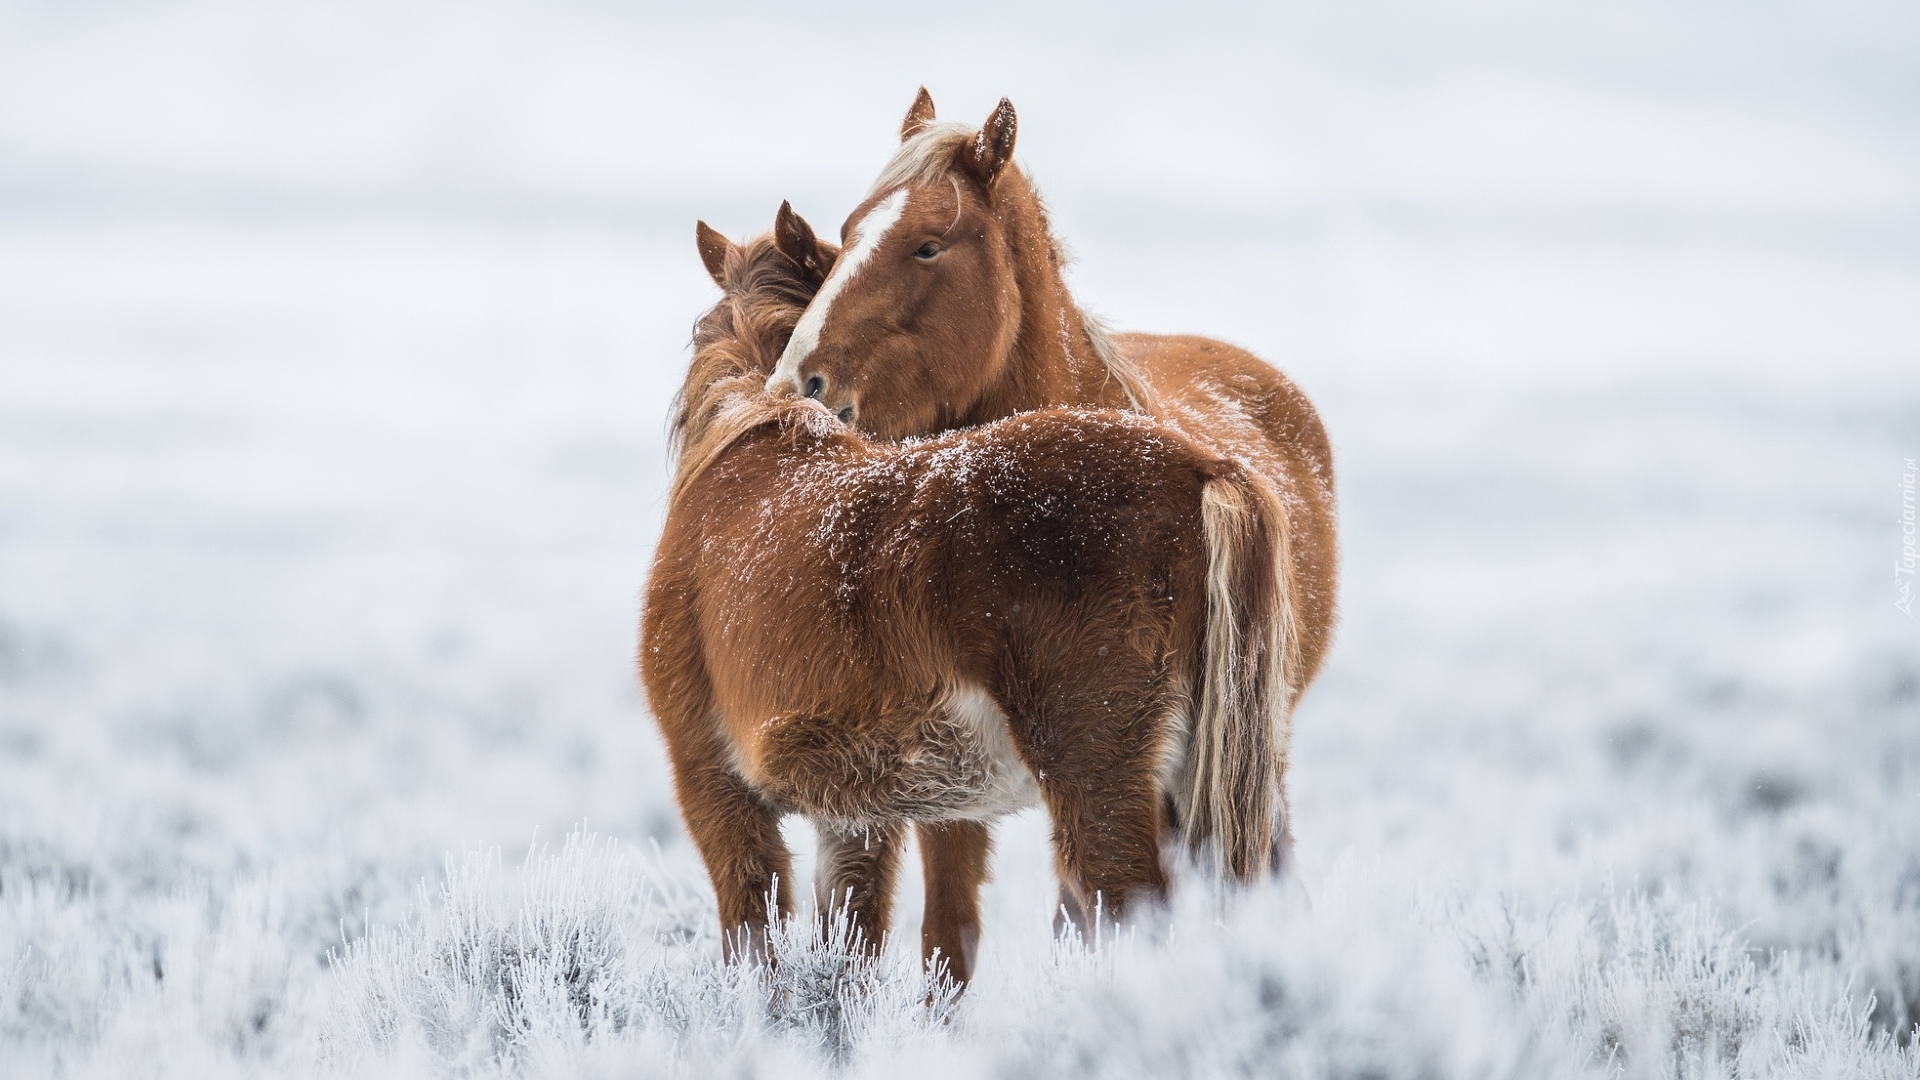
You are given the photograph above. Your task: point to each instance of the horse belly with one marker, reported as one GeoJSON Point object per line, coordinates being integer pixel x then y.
{"type": "Point", "coordinates": [995, 780]}
{"type": "Point", "coordinates": [956, 762]}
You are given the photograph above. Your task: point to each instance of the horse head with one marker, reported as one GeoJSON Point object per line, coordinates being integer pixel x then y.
{"type": "Point", "coordinates": [737, 342]}
{"type": "Point", "coordinates": [914, 323]}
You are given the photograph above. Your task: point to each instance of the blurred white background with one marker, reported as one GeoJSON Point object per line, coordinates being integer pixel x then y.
{"type": "Point", "coordinates": [336, 344]}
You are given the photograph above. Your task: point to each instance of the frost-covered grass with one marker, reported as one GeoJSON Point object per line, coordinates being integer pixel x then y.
{"type": "Point", "coordinates": [335, 348]}
{"type": "Point", "coordinates": [594, 960]}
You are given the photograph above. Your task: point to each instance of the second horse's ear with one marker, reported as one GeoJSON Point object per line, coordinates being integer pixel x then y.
{"type": "Point", "coordinates": [713, 251]}
{"type": "Point", "coordinates": [795, 239]}
{"type": "Point", "coordinates": [919, 115]}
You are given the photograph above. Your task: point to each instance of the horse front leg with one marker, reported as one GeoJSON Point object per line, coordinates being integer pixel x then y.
{"type": "Point", "coordinates": [857, 869]}
{"type": "Point", "coordinates": [954, 856]}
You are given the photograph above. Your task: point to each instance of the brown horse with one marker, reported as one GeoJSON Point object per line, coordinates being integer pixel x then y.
{"type": "Point", "coordinates": [949, 309]}
{"type": "Point", "coordinates": [1075, 608]}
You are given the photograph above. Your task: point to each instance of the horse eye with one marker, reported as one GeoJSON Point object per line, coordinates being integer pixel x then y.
{"type": "Point", "coordinates": [927, 250]}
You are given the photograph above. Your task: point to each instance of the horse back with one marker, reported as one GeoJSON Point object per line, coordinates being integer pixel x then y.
{"type": "Point", "coordinates": [835, 560]}
{"type": "Point", "coordinates": [1065, 534]}
{"type": "Point", "coordinates": [1235, 404]}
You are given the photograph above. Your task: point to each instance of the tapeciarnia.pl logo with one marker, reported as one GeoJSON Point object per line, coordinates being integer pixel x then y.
{"type": "Point", "coordinates": [1903, 566]}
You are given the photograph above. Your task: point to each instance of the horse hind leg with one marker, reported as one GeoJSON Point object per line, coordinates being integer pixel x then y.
{"type": "Point", "coordinates": [1068, 912]}
{"type": "Point", "coordinates": [953, 855]}
{"type": "Point", "coordinates": [738, 835]}
{"type": "Point", "coordinates": [1106, 839]}
{"type": "Point", "coordinates": [855, 876]}
{"type": "Point", "coordinates": [1101, 786]}
{"type": "Point", "coordinates": [1070, 916]}
{"type": "Point", "coordinates": [1091, 720]}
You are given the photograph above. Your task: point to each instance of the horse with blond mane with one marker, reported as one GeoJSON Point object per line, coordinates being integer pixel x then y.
{"type": "Point", "coordinates": [949, 309]}
{"type": "Point", "coordinates": [1075, 608]}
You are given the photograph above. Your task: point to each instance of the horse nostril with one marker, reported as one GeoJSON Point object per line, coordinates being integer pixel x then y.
{"type": "Point", "coordinates": [815, 385]}
{"type": "Point", "coordinates": [846, 414]}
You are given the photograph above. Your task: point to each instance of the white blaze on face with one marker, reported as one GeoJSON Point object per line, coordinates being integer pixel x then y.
{"type": "Point", "coordinates": [866, 238]}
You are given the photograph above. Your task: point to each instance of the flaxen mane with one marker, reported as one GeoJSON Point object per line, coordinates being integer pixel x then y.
{"type": "Point", "coordinates": [1123, 370]}
{"type": "Point", "coordinates": [925, 157]}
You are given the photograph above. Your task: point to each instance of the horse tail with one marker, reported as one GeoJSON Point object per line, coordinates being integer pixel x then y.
{"type": "Point", "coordinates": [1238, 750]}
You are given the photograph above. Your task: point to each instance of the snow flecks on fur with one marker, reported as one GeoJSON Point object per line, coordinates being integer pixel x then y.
{"type": "Point", "coordinates": [1224, 426]}
{"type": "Point", "coordinates": [847, 484]}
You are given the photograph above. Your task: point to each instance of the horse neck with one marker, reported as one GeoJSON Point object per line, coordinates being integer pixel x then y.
{"type": "Point", "coordinates": [1052, 360]}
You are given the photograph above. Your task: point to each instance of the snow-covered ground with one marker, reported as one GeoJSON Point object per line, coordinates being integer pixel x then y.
{"type": "Point", "coordinates": [335, 349]}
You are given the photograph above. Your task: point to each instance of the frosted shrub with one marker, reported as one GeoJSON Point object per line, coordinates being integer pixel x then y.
{"type": "Point", "coordinates": [827, 992]}
{"type": "Point", "coordinates": [583, 952]}
{"type": "Point", "coordinates": [1654, 986]}
{"type": "Point", "coordinates": [488, 967]}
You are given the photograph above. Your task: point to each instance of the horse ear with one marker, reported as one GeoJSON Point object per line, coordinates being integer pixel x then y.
{"type": "Point", "coordinates": [919, 115]}
{"type": "Point", "coordinates": [992, 148]}
{"type": "Point", "coordinates": [795, 239]}
{"type": "Point", "coordinates": [713, 251]}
